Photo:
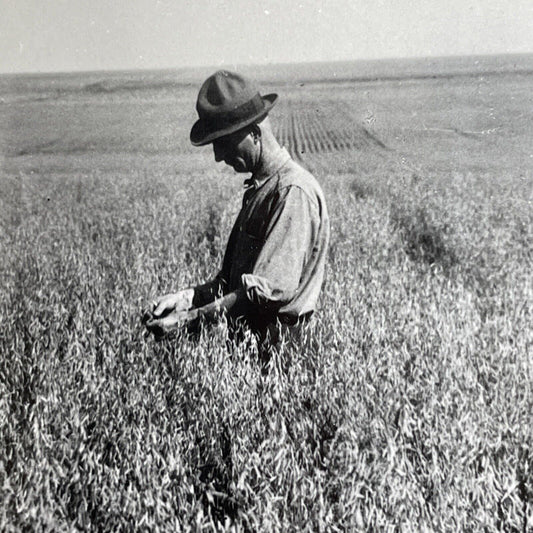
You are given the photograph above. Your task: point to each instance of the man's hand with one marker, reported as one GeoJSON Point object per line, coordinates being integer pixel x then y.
{"type": "Point", "coordinates": [177, 301]}
{"type": "Point", "coordinates": [169, 312]}
{"type": "Point", "coordinates": [170, 322]}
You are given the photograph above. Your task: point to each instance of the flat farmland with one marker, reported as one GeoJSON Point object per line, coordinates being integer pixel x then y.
{"type": "Point", "coordinates": [408, 408]}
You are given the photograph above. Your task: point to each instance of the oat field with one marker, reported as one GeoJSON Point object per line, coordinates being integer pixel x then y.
{"type": "Point", "coordinates": [409, 406]}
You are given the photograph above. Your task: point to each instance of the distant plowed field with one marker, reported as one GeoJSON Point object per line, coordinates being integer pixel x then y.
{"type": "Point", "coordinates": [332, 126]}
{"type": "Point", "coordinates": [408, 407]}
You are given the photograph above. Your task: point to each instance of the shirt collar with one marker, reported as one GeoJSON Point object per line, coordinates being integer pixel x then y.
{"type": "Point", "coordinates": [268, 168]}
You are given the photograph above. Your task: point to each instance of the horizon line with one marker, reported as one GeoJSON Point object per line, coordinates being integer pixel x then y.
{"type": "Point", "coordinates": [259, 65]}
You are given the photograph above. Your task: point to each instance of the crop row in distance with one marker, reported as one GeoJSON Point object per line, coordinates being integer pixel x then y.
{"type": "Point", "coordinates": [303, 128]}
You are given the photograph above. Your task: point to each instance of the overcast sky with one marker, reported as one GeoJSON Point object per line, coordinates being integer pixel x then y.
{"type": "Point", "coordinates": [65, 35]}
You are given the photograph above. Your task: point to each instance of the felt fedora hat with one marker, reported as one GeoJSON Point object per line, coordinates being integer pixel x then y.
{"type": "Point", "coordinates": [227, 102]}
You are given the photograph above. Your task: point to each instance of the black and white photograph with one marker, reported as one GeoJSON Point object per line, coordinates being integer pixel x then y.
{"type": "Point", "coordinates": [266, 266]}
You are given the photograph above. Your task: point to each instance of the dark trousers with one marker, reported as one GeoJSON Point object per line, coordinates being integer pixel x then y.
{"type": "Point", "coordinates": [273, 336]}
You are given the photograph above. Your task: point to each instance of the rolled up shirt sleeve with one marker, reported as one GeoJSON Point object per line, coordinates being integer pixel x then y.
{"type": "Point", "coordinates": [287, 246]}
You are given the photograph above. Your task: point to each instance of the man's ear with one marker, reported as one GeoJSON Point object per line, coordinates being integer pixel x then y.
{"type": "Point", "coordinates": [256, 133]}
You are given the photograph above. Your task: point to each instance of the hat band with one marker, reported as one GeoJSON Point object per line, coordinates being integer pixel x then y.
{"type": "Point", "coordinates": [247, 110]}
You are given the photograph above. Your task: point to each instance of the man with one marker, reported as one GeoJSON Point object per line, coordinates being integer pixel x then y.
{"type": "Point", "coordinates": [273, 267]}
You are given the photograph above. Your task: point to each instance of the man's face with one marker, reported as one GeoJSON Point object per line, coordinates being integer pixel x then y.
{"type": "Point", "coordinates": [238, 150]}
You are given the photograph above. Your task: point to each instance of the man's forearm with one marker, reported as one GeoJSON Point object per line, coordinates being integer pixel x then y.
{"type": "Point", "coordinates": [229, 302]}
{"type": "Point", "coordinates": [208, 292]}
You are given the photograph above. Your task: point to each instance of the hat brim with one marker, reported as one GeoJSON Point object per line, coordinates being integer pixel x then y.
{"type": "Point", "coordinates": [200, 135]}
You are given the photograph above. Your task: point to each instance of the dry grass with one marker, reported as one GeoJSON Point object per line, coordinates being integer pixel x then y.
{"type": "Point", "coordinates": [408, 407]}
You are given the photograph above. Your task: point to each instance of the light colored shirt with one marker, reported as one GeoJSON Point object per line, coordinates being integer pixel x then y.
{"type": "Point", "coordinates": [278, 245]}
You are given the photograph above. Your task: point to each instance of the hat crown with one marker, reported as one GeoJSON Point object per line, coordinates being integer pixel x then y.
{"type": "Point", "coordinates": [222, 92]}
{"type": "Point", "coordinates": [226, 103]}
